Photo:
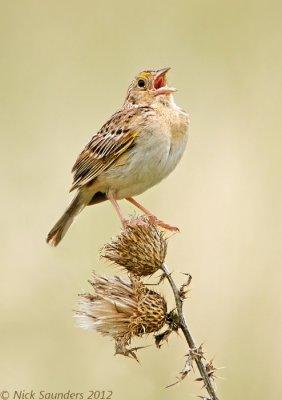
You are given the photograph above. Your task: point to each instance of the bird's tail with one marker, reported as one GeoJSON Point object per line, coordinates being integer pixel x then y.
{"type": "Point", "coordinates": [59, 230]}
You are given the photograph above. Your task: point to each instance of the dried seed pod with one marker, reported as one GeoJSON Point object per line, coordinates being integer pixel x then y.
{"type": "Point", "coordinates": [121, 309]}
{"type": "Point", "coordinates": [140, 248]}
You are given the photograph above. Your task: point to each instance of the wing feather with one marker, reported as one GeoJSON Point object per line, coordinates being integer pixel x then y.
{"type": "Point", "coordinates": [113, 139]}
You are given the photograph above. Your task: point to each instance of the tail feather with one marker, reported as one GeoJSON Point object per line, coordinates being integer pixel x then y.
{"type": "Point", "coordinates": [60, 228]}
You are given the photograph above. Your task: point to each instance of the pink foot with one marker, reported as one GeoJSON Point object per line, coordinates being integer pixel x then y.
{"type": "Point", "coordinates": [132, 223]}
{"type": "Point", "coordinates": [154, 220]}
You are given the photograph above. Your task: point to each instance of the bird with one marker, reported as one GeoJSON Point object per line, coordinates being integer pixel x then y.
{"type": "Point", "coordinates": [135, 149]}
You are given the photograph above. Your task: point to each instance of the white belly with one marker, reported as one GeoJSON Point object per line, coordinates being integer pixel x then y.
{"type": "Point", "coordinates": [153, 158]}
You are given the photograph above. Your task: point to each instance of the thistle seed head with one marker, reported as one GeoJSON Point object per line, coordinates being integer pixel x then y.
{"type": "Point", "coordinates": [121, 308]}
{"type": "Point", "coordinates": [140, 248]}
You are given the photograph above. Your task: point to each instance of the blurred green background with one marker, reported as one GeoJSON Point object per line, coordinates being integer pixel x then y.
{"type": "Point", "coordinates": [65, 67]}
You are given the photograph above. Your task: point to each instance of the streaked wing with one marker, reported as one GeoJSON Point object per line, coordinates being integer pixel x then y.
{"type": "Point", "coordinates": [113, 139]}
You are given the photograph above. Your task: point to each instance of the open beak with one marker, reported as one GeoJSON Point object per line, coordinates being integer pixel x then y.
{"type": "Point", "coordinates": [160, 83]}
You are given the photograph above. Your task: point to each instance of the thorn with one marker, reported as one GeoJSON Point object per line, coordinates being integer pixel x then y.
{"type": "Point", "coordinates": [197, 352]}
{"type": "Point", "coordinates": [189, 276]}
{"type": "Point", "coordinates": [161, 279]}
{"type": "Point", "coordinates": [162, 337]}
{"type": "Point", "coordinates": [210, 368]}
{"type": "Point", "coordinates": [128, 353]}
{"type": "Point", "coordinates": [121, 349]}
{"type": "Point", "coordinates": [172, 234]}
{"type": "Point", "coordinates": [184, 287]}
{"type": "Point", "coordinates": [172, 384]}
{"type": "Point", "coordinates": [184, 372]}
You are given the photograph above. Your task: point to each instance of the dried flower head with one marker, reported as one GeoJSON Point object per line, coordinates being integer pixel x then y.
{"type": "Point", "coordinates": [121, 309]}
{"type": "Point", "coordinates": [140, 248]}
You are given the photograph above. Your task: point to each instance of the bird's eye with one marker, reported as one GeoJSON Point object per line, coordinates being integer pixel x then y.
{"type": "Point", "coordinates": [141, 83]}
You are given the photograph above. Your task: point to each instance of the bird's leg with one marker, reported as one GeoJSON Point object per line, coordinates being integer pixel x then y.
{"type": "Point", "coordinates": [151, 216]}
{"type": "Point", "coordinates": [118, 209]}
{"type": "Point", "coordinates": [125, 222]}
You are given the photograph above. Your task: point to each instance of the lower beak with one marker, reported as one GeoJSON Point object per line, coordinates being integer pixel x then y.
{"type": "Point", "coordinates": [165, 90]}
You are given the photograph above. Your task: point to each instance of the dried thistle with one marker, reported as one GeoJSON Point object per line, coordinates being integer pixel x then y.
{"type": "Point", "coordinates": [121, 309]}
{"type": "Point", "coordinates": [140, 248]}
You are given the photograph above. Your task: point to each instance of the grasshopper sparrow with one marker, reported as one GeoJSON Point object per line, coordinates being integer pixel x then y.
{"type": "Point", "coordinates": [138, 147]}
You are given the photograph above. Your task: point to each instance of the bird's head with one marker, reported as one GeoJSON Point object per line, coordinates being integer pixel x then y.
{"type": "Point", "coordinates": [149, 86]}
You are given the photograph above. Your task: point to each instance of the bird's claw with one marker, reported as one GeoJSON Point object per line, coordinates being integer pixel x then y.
{"type": "Point", "coordinates": [133, 223]}
{"type": "Point", "coordinates": [155, 221]}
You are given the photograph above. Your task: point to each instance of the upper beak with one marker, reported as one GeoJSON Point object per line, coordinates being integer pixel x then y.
{"type": "Point", "coordinates": [162, 72]}
{"type": "Point", "coordinates": [160, 82]}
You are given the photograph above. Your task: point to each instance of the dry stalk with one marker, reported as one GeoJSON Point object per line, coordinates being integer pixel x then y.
{"type": "Point", "coordinates": [195, 352]}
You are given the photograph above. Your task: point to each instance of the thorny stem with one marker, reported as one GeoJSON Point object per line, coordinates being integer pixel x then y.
{"type": "Point", "coordinates": [183, 326]}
